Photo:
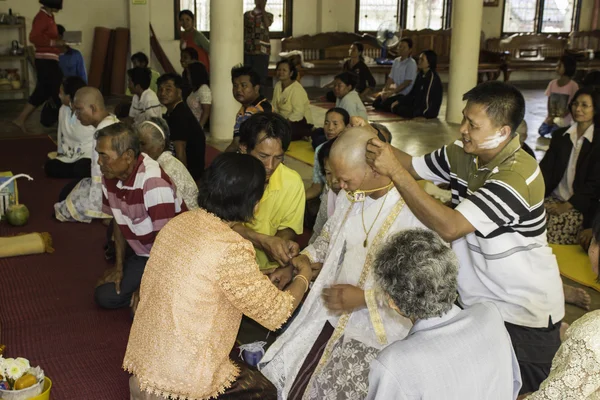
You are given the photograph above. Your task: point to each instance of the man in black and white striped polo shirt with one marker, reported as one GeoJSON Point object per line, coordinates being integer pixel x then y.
{"type": "Point", "coordinates": [497, 223]}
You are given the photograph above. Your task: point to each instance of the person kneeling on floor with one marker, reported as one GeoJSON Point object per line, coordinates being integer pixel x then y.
{"type": "Point", "coordinates": [142, 199]}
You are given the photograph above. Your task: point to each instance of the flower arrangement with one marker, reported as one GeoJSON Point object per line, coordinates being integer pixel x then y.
{"type": "Point", "coordinates": [17, 376]}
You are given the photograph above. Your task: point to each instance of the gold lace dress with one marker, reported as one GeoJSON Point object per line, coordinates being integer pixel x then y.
{"type": "Point", "coordinates": [201, 277]}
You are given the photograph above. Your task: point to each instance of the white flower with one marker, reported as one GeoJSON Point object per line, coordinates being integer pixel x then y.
{"type": "Point", "coordinates": [23, 362]}
{"type": "Point", "coordinates": [14, 370]}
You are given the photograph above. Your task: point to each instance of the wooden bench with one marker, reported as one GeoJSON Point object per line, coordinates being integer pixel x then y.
{"type": "Point", "coordinates": [325, 50]}
{"type": "Point", "coordinates": [528, 52]}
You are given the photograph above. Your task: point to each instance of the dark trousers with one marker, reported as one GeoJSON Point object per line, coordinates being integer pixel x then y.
{"type": "Point", "coordinates": [535, 348]}
{"type": "Point", "coordinates": [318, 137]}
{"type": "Point", "coordinates": [386, 105]}
{"type": "Point", "coordinates": [260, 64]}
{"type": "Point", "coordinates": [79, 169]}
{"type": "Point", "coordinates": [106, 295]}
{"type": "Point", "coordinates": [49, 79]}
{"type": "Point", "coordinates": [67, 189]}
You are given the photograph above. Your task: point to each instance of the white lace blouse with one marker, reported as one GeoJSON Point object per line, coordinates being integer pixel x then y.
{"type": "Point", "coordinates": [575, 373]}
{"type": "Point", "coordinates": [181, 178]}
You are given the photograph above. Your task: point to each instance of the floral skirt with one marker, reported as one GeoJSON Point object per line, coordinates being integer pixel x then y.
{"type": "Point", "coordinates": [563, 228]}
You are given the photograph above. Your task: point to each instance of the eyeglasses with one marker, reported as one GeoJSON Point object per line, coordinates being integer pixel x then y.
{"type": "Point", "coordinates": [584, 106]}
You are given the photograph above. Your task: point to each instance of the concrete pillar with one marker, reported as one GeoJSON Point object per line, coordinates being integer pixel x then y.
{"type": "Point", "coordinates": [139, 26]}
{"type": "Point", "coordinates": [464, 54]}
{"type": "Point", "coordinates": [226, 50]}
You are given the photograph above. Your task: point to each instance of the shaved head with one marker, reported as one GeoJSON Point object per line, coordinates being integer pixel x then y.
{"type": "Point", "coordinates": [348, 160]}
{"type": "Point", "coordinates": [89, 106]}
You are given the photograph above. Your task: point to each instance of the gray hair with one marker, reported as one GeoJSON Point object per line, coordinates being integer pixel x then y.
{"type": "Point", "coordinates": [123, 138]}
{"type": "Point", "coordinates": [151, 124]}
{"type": "Point", "coordinates": [418, 271]}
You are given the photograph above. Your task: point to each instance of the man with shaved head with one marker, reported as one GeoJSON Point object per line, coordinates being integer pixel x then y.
{"type": "Point", "coordinates": [81, 201]}
{"type": "Point", "coordinates": [344, 321]}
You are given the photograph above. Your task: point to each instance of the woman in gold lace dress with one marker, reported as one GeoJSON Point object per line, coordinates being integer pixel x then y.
{"type": "Point", "coordinates": [201, 277]}
{"type": "Point", "coordinates": [575, 372]}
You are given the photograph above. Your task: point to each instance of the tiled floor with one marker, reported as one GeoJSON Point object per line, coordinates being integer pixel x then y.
{"type": "Point", "coordinates": [414, 137]}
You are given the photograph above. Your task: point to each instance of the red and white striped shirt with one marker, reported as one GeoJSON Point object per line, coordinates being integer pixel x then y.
{"type": "Point", "coordinates": [142, 204]}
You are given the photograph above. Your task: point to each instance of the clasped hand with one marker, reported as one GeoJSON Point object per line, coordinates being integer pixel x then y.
{"type": "Point", "coordinates": [558, 208]}
{"type": "Point", "coordinates": [343, 298]}
{"type": "Point", "coordinates": [280, 250]}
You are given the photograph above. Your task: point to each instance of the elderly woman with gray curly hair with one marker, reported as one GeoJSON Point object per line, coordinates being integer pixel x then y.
{"type": "Point", "coordinates": [449, 353]}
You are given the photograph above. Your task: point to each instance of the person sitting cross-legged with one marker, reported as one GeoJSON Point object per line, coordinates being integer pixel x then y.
{"type": "Point", "coordinates": [446, 345]}
{"type": "Point", "coordinates": [142, 199]}
{"type": "Point", "coordinates": [186, 133]}
{"type": "Point", "coordinates": [280, 214]}
{"type": "Point", "coordinates": [154, 141]}
{"type": "Point", "coordinates": [246, 90]}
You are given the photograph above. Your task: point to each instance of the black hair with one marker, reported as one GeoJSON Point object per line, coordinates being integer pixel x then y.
{"type": "Point", "coordinates": [570, 65]}
{"type": "Point", "coordinates": [383, 130]}
{"type": "Point", "coordinates": [324, 153]}
{"type": "Point", "coordinates": [349, 78]}
{"type": "Point", "coordinates": [596, 235]}
{"type": "Point", "coordinates": [431, 58]}
{"type": "Point", "coordinates": [595, 95]}
{"type": "Point", "coordinates": [272, 124]}
{"type": "Point", "coordinates": [360, 47]}
{"type": "Point", "coordinates": [140, 58]}
{"type": "Point", "coordinates": [123, 138]}
{"type": "Point", "coordinates": [56, 4]}
{"type": "Point", "coordinates": [592, 79]}
{"type": "Point", "coordinates": [231, 186]}
{"type": "Point", "coordinates": [71, 84]}
{"type": "Point", "coordinates": [171, 76]}
{"type": "Point", "coordinates": [236, 72]}
{"type": "Point", "coordinates": [188, 13]}
{"type": "Point", "coordinates": [140, 76]}
{"type": "Point", "coordinates": [503, 102]}
{"type": "Point", "coordinates": [198, 75]}
{"type": "Point", "coordinates": [342, 112]}
{"type": "Point", "coordinates": [408, 41]}
{"type": "Point", "coordinates": [191, 52]}
{"type": "Point", "coordinates": [292, 67]}
{"type": "Point", "coordinates": [61, 30]}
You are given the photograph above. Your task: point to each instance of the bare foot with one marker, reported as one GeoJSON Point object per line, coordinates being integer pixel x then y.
{"type": "Point", "coordinates": [563, 329]}
{"type": "Point", "coordinates": [577, 297]}
{"type": "Point", "coordinates": [20, 125]}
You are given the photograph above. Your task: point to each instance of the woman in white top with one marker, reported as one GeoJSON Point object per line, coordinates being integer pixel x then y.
{"type": "Point", "coordinates": [347, 97]}
{"type": "Point", "coordinates": [75, 141]}
{"type": "Point", "coordinates": [154, 140]}
{"type": "Point", "coordinates": [575, 372]}
{"type": "Point", "coordinates": [200, 100]}
{"type": "Point", "coordinates": [291, 101]}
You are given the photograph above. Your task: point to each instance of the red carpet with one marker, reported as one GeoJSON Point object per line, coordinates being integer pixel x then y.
{"type": "Point", "coordinates": [47, 312]}
{"type": "Point", "coordinates": [373, 114]}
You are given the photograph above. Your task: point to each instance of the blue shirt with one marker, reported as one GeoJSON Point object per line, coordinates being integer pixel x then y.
{"type": "Point", "coordinates": [464, 354]}
{"type": "Point", "coordinates": [71, 63]}
{"type": "Point", "coordinates": [404, 70]}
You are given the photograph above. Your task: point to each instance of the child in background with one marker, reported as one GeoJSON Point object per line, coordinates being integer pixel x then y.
{"type": "Point", "coordinates": [188, 57]}
{"type": "Point", "coordinates": [145, 104]}
{"type": "Point", "coordinates": [560, 93]}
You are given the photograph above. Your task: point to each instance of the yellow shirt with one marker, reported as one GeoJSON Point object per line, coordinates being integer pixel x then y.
{"type": "Point", "coordinates": [292, 102]}
{"type": "Point", "coordinates": [281, 207]}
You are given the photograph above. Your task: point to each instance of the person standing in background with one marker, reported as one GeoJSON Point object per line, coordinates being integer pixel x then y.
{"type": "Point", "coordinates": [257, 45]}
{"type": "Point", "coordinates": [191, 37]}
{"type": "Point", "coordinates": [44, 36]}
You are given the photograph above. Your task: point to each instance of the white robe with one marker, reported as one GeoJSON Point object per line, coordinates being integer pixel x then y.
{"type": "Point", "coordinates": [340, 248]}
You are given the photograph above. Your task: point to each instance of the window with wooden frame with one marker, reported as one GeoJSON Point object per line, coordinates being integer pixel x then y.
{"type": "Point", "coordinates": [408, 14]}
{"type": "Point", "coordinates": [540, 16]}
{"type": "Point", "coordinates": [281, 10]}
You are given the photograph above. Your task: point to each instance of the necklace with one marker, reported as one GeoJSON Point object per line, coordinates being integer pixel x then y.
{"type": "Point", "coordinates": [367, 232]}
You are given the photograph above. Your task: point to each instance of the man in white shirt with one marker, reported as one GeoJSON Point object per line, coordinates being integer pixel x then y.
{"type": "Point", "coordinates": [449, 353]}
{"type": "Point", "coordinates": [145, 104]}
{"type": "Point", "coordinates": [401, 79]}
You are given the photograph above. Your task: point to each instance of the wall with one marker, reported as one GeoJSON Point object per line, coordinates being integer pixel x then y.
{"type": "Point", "coordinates": [77, 15]}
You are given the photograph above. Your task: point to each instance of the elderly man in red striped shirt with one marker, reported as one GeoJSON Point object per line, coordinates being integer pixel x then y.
{"type": "Point", "coordinates": [142, 199]}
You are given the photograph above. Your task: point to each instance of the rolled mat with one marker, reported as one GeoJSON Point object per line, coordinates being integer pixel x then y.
{"type": "Point", "coordinates": [25, 244]}
{"type": "Point", "coordinates": [119, 62]}
{"type": "Point", "coordinates": [574, 263]}
{"type": "Point", "coordinates": [99, 51]}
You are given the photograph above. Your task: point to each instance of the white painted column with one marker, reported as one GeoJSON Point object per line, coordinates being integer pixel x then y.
{"type": "Point", "coordinates": [464, 54]}
{"type": "Point", "coordinates": [139, 26]}
{"type": "Point", "coordinates": [226, 51]}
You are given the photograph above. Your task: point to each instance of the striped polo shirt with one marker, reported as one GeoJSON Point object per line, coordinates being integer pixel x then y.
{"type": "Point", "coordinates": [507, 259]}
{"type": "Point", "coordinates": [142, 204]}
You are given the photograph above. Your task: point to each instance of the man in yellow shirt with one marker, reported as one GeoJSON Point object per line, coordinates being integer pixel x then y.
{"type": "Point", "coordinates": [279, 216]}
